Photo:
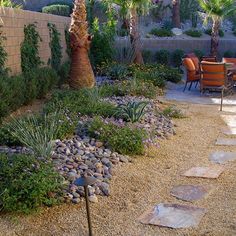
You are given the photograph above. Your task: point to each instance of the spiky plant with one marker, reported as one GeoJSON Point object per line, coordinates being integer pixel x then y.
{"type": "Point", "coordinates": [81, 74]}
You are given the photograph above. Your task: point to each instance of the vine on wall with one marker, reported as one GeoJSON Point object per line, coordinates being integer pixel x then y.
{"type": "Point", "coordinates": [55, 45]}
{"type": "Point", "coordinates": [3, 56]}
{"type": "Point", "coordinates": [30, 49]}
{"type": "Point", "coordinates": [67, 38]}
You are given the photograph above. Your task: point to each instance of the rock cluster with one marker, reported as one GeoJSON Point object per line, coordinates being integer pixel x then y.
{"type": "Point", "coordinates": [84, 156]}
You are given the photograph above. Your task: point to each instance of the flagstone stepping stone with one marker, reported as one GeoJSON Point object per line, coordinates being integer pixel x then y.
{"type": "Point", "coordinates": [229, 131]}
{"type": "Point", "coordinates": [226, 142]}
{"type": "Point", "coordinates": [204, 172]}
{"type": "Point", "coordinates": [173, 216]}
{"type": "Point", "coordinates": [190, 192]}
{"type": "Point", "coordinates": [222, 157]}
{"type": "Point", "coordinates": [230, 120]}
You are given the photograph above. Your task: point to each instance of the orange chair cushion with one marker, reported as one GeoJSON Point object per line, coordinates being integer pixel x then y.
{"type": "Point", "coordinates": [234, 77]}
{"type": "Point", "coordinates": [195, 62]}
{"type": "Point", "coordinates": [189, 65]}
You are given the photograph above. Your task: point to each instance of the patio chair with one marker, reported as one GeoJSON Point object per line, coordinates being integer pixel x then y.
{"type": "Point", "coordinates": [193, 74]}
{"type": "Point", "coordinates": [233, 61]}
{"type": "Point", "coordinates": [214, 78]}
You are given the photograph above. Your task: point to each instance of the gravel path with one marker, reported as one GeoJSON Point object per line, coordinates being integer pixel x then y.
{"type": "Point", "coordinates": [137, 186]}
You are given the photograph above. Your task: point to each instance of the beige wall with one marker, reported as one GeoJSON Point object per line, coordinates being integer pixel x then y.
{"type": "Point", "coordinates": [13, 21]}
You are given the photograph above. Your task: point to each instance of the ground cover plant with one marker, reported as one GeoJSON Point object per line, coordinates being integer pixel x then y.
{"type": "Point", "coordinates": [193, 33]}
{"type": "Point", "coordinates": [162, 32]}
{"type": "Point", "coordinates": [27, 183]}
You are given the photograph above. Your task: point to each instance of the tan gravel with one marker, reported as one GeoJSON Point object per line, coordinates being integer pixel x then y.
{"type": "Point", "coordinates": [148, 181]}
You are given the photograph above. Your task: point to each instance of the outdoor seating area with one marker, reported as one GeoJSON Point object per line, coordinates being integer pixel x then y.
{"type": "Point", "coordinates": [210, 74]}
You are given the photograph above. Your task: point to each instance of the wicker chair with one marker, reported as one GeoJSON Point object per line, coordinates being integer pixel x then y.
{"type": "Point", "coordinates": [214, 77]}
{"type": "Point", "coordinates": [209, 58]}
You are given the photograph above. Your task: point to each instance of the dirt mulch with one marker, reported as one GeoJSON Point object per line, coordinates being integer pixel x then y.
{"type": "Point", "coordinates": [135, 187]}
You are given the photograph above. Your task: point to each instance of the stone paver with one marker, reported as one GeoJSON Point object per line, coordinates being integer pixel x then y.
{"type": "Point", "coordinates": [229, 131]}
{"type": "Point", "coordinates": [173, 216]}
{"type": "Point", "coordinates": [205, 172]}
{"type": "Point", "coordinates": [190, 192]}
{"type": "Point", "coordinates": [226, 142]}
{"type": "Point", "coordinates": [221, 157]}
{"type": "Point", "coordinates": [230, 120]}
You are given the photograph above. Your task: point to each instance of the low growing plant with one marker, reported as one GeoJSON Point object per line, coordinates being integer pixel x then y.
{"type": "Point", "coordinates": [61, 10]}
{"type": "Point", "coordinates": [147, 56]}
{"type": "Point", "coordinates": [228, 54]}
{"type": "Point", "coordinates": [132, 111]}
{"type": "Point", "coordinates": [123, 140]}
{"type": "Point", "coordinates": [118, 71]}
{"type": "Point", "coordinates": [173, 112]}
{"type": "Point", "coordinates": [199, 53]}
{"type": "Point", "coordinates": [193, 33]}
{"type": "Point", "coordinates": [161, 32]}
{"type": "Point", "coordinates": [27, 183]}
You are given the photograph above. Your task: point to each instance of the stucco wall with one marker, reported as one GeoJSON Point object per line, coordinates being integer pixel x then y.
{"type": "Point", "coordinates": [13, 22]}
{"type": "Point", "coordinates": [188, 45]}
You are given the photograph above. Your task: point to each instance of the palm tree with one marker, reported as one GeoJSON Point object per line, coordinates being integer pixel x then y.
{"type": "Point", "coordinates": [130, 9]}
{"type": "Point", "coordinates": [81, 73]}
{"type": "Point", "coordinates": [217, 10]}
{"type": "Point", "coordinates": [176, 13]}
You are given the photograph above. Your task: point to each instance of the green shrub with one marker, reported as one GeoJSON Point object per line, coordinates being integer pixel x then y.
{"type": "Point", "coordinates": [30, 48]}
{"type": "Point", "coordinates": [3, 55]}
{"type": "Point", "coordinates": [64, 72]}
{"type": "Point", "coordinates": [152, 76]}
{"type": "Point", "coordinates": [221, 32]}
{"type": "Point", "coordinates": [228, 54]}
{"type": "Point", "coordinates": [234, 32]}
{"type": "Point", "coordinates": [79, 102]}
{"type": "Point", "coordinates": [26, 183]}
{"type": "Point", "coordinates": [156, 73]}
{"type": "Point", "coordinates": [161, 32]}
{"type": "Point", "coordinates": [123, 140]}
{"type": "Point", "coordinates": [20, 90]}
{"type": "Point", "coordinates": [13, 92]}
{"type": "Point", "coordinates": [102, 48]}
{"type": "Point", "coordinates": [61, 10]}
{"type": "Point", "coordinates": [173, 112]}
{"type": "Point", "coordinates": [177, 56]}
{"type": "Point", "coordinates": [40, 82]}
{"type": "Point", "coordinates": [122, 32]}
{"type": "Point", "coordinates": [147, 56]}
{"type": "Point", "coordinates": [118, 71]}
{"type": "Point", "coordinates": [163, 57]}
{"type": "Point", "coordinates": [199, 53]}
{"type": "Point", "coordinates": [193, 33]}
{"type": "Point", "coordinates": [55, 46]}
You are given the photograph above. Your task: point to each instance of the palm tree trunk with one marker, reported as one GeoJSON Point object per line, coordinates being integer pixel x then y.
{"type": "Point", "coordinates": [176, 13]}
{"type": "Point", "coordinates": [81, 73]}
{"type": "Point", "coordinates": [135, 37]}
{"type": "Point", "coordinates": [215, 37]}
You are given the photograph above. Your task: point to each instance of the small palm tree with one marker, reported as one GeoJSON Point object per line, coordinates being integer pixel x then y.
{"type": "Point", "coordinates": [81, 73]}
{"type": "Point", "coordinates": [130, 9]}
{"type": "Point", "coordinates": [217, 10]}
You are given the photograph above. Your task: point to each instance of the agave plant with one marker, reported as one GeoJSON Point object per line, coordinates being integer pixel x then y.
{"type": "Point", "coordinates": [132, 111]}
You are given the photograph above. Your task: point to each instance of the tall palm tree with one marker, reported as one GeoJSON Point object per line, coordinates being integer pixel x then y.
{"type": "Point", "coordinates": [176, 13]}
{"type": "Point", "coordinates": [81, 73]}
{"type": "Point", "coordinates": [131, 9]}
{"type": "Point", "coordinates": [217, 10]}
